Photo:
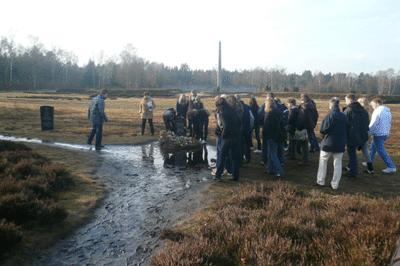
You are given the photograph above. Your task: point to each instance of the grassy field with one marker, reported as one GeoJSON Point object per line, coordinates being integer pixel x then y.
{"type": "Point", "coordinates": [21, 117]}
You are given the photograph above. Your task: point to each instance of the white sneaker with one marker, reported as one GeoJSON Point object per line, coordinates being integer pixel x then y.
{"type": "Point", "coordinates": [213, 172]}
{"type": "Point", "coordinates": [257, 151]}
{"type": "Point", "coordinates": [389, 170]}
{"type": "Point", "coordinates": [364, 163]}
{"type": "Point", "coordinates": [203, 142]}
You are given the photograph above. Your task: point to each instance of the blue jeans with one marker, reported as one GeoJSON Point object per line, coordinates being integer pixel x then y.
{"type": "Point", "coordinates": [314, 143]}
{"type": "Point", "coordinates": [98, 131]}
{"type": "Point", "coordinates": [353, 162]}
{"type": "Point", "coordinates": [228, 162]}
{"type": "Point", "coordinates": [377, 146]}
{"type": "Point", "coordinates": [229, 146]}
{"type": "Point", "coordinates": [280, 151]}
{"type": "Point", "coordinates": [273, 158]}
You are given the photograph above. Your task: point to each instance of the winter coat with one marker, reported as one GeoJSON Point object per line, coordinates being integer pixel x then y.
{"type": "Point", "coordinates": [359, 121]}
{"type": "Point", "coordinates": [292, 120]}
{"type": "Point", "coordinates": [196, 105]}
{"type": "Point", "coordinates": [273, 126]}
{"type": "Point", "coordinates": [334, 128]}
{"type": "Point", "coordinates": [182, 108]}
{"type": "Point", "coordinates": [96, 112]}
{"type": "Point", "coordinates": [254, 110]}
{"type": "Point", "coordinates": [308, 117]}
{"type": "Point", "coordinates": [146, 109]}
{"type": "Point", "coordinates": [228, 122]}
{"type": "Point", "coordinates": [261, 111]}
{"type": "Point", "coordinates": [247, 119]}
{"type": "Point", "coordinates": [380, 121]}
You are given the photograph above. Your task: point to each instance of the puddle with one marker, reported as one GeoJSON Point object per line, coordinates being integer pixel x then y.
{"type": "Point", "coordinates": [144, 184]}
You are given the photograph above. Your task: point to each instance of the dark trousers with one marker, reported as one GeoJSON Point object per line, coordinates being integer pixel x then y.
{"type": "Point", "coordinates": [98, 131]}
{"type": "Point", "coordinates": [144, 125]}
{"type": "Point", "coordinates": [292, 146]}
{"type": "Point", "coordinates": [246, 141]}
{"type": "Point", "coordinates": [232, 146]}
{"type": "Point", "coordinates": [353, 162]}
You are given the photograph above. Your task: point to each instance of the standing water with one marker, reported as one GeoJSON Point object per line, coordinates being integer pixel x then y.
{"type": "Point", "coordinates": [148, 189]}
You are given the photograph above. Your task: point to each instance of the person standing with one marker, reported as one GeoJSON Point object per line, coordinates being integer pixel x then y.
{"type": "Point", "coordinates": [291, 127]}
{"type": "Point", "coordinates": [334, 128]}
{"type": "Point", "coordinates": [380, 127]}
{"type": "Point", "coordinates": [370, 169]}
{"type": "Point", "coordinates": [193, 105]}
{"type": "Point", "coordinates": [254, 109]}
{"type": "Point", "coordinates": [358, 133]}
{"type": "Point", "coordinates": [247, 125]}
{"type": "Point", "coordinates": [229, 126]}
{"type": "Point", "coordinates": [273, 133]}
{"type": "Point", "coordinates": [182, 106]}
{"type": "Point", "coordinates": [307, 119]}
{"type": "Point", "coordinates": [146, 108]}
{"type": "Point", "coordinates": [97, 116]}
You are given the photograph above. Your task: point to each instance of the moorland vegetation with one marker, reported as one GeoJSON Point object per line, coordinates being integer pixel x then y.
{"type": "Point", "coordinates": [358, 224]}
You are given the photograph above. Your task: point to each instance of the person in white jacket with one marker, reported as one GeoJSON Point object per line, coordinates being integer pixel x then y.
{"type": "Point", "coordinates": [379, 128]}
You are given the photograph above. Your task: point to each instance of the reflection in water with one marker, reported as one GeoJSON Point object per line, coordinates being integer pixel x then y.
{"type": "Point", "coordinates": [148, 153]}
{"type": "Point", "coordinates": [183, 159]}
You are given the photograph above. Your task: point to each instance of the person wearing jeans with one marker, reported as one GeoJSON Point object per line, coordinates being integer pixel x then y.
{"type": "Point", "coordinates": [97, 116]}
{"type": "Point", "coordinates": [380, 127]}
{"type": "Point", "coordinates": [334, 128]}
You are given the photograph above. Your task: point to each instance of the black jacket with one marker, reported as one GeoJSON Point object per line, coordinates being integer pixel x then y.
{"type": "Point", "coordinates": [359, 124]}
{"type": "Point", "coordinates": [308, 117]}
{"type": "Point", "coordinates": [230, 127]}
{"type": "Point", "coordinates": [334, 128]}
{"type": "Point", "coordinates": [292, 120]}
{"type": "Point", "coordinates": [273, 127]}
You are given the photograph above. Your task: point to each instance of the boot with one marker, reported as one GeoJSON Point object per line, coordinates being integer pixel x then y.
{"type": "Point", "coordinates": [370, 168]}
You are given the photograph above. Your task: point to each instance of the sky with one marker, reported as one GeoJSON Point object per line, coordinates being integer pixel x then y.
{"type": "Point", "coordinates": [318, 35]}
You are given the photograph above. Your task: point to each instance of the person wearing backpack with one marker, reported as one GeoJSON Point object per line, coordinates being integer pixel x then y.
{"type": "Point", "coordinates": [291, 127]}
{"type": "Point", "coordinates": [307, 119]}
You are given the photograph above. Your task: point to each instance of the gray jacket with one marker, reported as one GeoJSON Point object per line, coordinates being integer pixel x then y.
{"type": "Point", "coordinates": [96, 110]}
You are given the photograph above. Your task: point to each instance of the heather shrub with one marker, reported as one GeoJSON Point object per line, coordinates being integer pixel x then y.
{"type": "Point", "coordinates": [27, 185]}
{"type": "Point", "coordinates": [279, 225]}
{"type": "Point", "coordinates": [12, 146]}
{"type": "Point", "coordinates": [10, 234]}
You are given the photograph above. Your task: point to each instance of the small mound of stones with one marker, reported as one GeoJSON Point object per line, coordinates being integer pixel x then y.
{"type": "Point", "coordinates": [171, 142]}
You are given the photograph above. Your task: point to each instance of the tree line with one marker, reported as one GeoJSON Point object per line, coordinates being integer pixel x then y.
{"type": "Point", "coordinates": [35, 68]}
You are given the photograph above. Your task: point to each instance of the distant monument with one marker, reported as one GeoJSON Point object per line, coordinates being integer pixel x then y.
{"type": "Point", "coordinates": [219, 74]}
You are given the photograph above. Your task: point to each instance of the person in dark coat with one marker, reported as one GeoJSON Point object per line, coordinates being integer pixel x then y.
{"type": "Point", "coordinates": [230, 127]}
{"type": "Point", "coordinates": [256, 127]}
{"type": "Point", "coordinates": [359, 126]}
{"type": "Point", "coordinates": [182, 106]}
{"type": "Point", "coordinates": [291, 127]}
{"type": "Point", "coordinates": [200, 125]}
{"type": "Point", "coordinates": [97, 116]}
{"type": "Point", "coordinates": [247, 125]}
{"type": "Point", "coordinates": [169, 120]}
{"type": "Point", "coordinates": [307, 119]}
{"type": "Point", "coordinates": [334, 128]}
{"type": "Point", "coordinates": [273, 133]}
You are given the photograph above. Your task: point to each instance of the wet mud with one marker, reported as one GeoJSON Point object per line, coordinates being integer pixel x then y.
{"type": "Point", "coordinates": [148, 189]}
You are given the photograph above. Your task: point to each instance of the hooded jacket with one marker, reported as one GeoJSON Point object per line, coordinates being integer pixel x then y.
{"type": "Point", "coordinates": [359, 120]}
{"type": "Point", "coordinates": [228, 122]}
{"type": "Point", "coordinates": [273, 126]}
{"type": "Point", "coordinates": [380, 121]}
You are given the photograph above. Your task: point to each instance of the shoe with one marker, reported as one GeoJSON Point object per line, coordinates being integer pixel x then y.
{"type": "Point", "coordinates": [333, 188]}
{"type": "Point", "coordinates": [263, 163]}
{"type": "Point", "coordinates": [316, 184]}
{"type": "Point", "coordinates": [346, 168]}
{"type": "Point", "coordinates": [226, 173]}
{"type": "Point", "coordinates": [98, 148]}
{"type": "Point", "coordinates": [279, 175]}
{"type": "Point", "coordinates": [251, 148]}
{"type": "Point", "coordinates": [213, 172]}
{"type": "Point", "coordinates": [152, 134]}
{"type": "Point", "coordinates": [350, 175]}
{"type": "Point", "coordinates": [89, 143]}
{"type": "Point", "coordinates": [217, 179]}
{"type": "Point", "coordinates": [368, 171]}
{"type": "Point", "coordinates": [257, 151]}
{"type": "Point", "coordinates": [232, 179]}
{"type": "Point", "coordinates": [365, 164]}
{"type": "Point", "coordinates": [389, 170]}
{"type": "Point", "coordinates": [203, 141]}
{"type": "Point", "coordinates": [286, 148]}
{"type": "Point", "coordinates": [141, 134]}
{"type": "Point", "coordinates": [303, 163]}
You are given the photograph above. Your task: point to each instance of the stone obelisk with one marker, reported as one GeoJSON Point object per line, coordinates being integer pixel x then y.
{"type": "Point", "coordinates": [219, 74]}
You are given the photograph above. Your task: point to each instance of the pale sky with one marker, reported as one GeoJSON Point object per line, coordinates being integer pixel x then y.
{"type": "Point", "coordinates": [317, 35]}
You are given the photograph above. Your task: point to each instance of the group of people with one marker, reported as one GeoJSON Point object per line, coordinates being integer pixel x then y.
{"type": "Point", "coordinates": [287, 127]}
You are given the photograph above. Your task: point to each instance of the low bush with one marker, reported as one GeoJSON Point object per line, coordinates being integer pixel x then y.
{"type": "Point", "coordinates": [27, 184]}
{"type": "Point", "coordinates": [279, 225]}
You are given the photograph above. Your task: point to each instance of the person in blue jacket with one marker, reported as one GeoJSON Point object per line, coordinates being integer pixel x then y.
{"type": "Point", "coordinates": [334, 128]}
{"type": "Point", "coordinates": [97, 116]}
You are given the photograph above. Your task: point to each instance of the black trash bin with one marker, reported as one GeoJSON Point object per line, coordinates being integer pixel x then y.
{"type": "Point", "coordinates": [47, 117]}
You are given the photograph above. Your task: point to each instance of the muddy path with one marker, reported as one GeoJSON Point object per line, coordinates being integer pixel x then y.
{"type": "Point", "coordinates": [147, 190]}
